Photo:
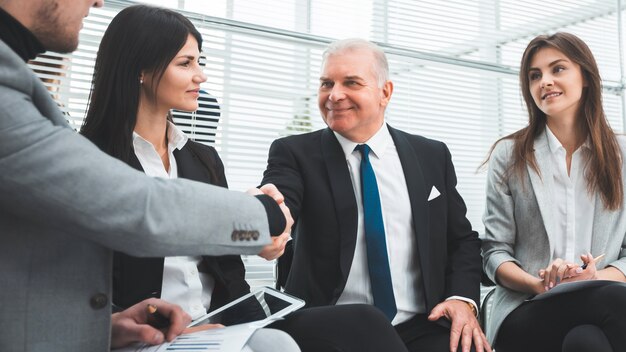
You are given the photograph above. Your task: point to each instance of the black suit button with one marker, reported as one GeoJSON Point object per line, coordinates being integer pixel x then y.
{"type": "Point", "coordinates": [99, 301]}
{"type": "Point", "coordinates": [255, 235]}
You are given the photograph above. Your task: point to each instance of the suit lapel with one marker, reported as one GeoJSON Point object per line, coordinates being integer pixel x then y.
{"type": "Point", "coordinates": [417, 188]}
{"type": "Point", "coordinates": [543, 186]}
{"type": "Point", "coordinates": [189, 167]}
{"type": "Point", "coordinates": [344, 199]}
{"type": "Point", "coordinates": [134, 162]}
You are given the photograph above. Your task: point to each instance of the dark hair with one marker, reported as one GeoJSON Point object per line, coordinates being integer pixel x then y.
{"type": "Point", "coordinates": [603, 168]}
{"type": "Point", "coordinates": [139, 39]}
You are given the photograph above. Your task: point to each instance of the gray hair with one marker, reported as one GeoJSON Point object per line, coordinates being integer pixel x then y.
{"type": "Point", "coordinates": [381, 66]}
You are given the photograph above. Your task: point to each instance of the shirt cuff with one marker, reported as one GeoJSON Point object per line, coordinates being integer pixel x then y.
{"type": "Point", "coordinates": [467, 300]}
{"type": "Point", "coordinates": [275, 216]}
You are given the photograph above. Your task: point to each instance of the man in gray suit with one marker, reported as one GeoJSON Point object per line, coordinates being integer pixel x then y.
{"type": "Point", "coordinates": [64, 205]}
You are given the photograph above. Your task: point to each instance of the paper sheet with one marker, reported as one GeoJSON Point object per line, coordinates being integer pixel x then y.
{"type": "Point", "coordinates": [228, 339]}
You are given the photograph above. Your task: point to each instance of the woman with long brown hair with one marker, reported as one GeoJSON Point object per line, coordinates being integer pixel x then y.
{"type": "Point", "coordinates": [555, 211]}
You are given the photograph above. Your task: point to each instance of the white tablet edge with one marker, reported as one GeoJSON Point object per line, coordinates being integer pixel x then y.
{"type": "Point", "coordinates": [294, 304]}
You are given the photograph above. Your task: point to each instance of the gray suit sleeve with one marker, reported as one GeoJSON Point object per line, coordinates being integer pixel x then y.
{"type": "Point", "coordinates": [620, 262]}
{"type": "Point", "coordinates": [499, 218]}
{"type": "Point", "coordinates": [50, 174]}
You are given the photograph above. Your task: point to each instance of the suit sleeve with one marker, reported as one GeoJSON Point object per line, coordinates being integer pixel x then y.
{"type": "Point", "coordinates": [56, 177]}
{"type": "Point", "coordinates": [463, 269]}
{"type": "Point", "coordinates": [499, 218]}
{"type": "Point", "coordinates": [233, 271]}
{"type": "Point", "coordinates": [620, 263]}
{"type": "Point", "coordinates": [283, 171]}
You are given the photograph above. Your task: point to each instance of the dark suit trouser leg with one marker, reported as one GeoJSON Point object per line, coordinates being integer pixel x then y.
{"type": "Point", "coordinates": [543, 325]}
{"type": "Point", "coordinates": [421, 335]}
{"type": "Point", "coordinates": [342, 328]}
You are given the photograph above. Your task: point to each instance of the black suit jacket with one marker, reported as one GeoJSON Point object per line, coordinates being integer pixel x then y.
{"type": "Point", "coordinates": [135, 279]}
{"type": "Point", "coordinates": [311, 172]}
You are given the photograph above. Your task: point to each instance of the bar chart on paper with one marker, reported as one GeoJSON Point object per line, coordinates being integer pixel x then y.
{"type": "Point", "coordinates": [228, 339]}
{"type": "Point", "coordinates": [194, 342]}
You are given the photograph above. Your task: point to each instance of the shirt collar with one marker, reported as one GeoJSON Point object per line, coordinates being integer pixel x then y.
{"type": "Point", "coordinates": [555, 145]}
{"type": "Point", "coordinates": [175, 137]}
{"type": "Point", "coordinates": [377, 143]}
{"type": "Point", "coordinates": [553, 142]}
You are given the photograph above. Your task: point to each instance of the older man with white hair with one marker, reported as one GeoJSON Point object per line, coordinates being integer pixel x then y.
{"type": "Point", "coordinates": [378, 219]}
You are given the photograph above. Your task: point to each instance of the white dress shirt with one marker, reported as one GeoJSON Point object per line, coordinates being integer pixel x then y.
{"type": "Point", "coordinates": [406, 274]}
{"type": "Point", "coordinates": [182, 283]}
{"type": "Point", "coordinates": [398, 221]}
{"type": "Point", "coordinates": [575, 207]}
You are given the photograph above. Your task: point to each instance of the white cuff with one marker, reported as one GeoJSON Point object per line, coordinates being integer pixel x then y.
{"type": "Point", "coordinates": [470, 301]}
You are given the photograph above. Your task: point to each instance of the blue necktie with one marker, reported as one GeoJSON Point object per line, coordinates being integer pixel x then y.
{"type": "Point", "coordinates": [377, 260]}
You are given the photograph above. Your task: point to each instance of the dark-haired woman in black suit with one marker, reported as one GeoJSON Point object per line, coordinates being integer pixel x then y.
{"type": "Point", "coordinates": [148, 64]}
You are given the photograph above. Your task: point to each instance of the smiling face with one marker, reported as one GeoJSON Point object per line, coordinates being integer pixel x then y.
{"type": "Point", "coordinates": [349, 98]}
{"type": "Point", "coordinates": [555, 83]}
{"type": "Point", "coordinates": [180, 85]}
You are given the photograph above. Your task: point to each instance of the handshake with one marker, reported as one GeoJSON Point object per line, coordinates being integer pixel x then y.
{"type": "Point", "coordinates": [277, 247]}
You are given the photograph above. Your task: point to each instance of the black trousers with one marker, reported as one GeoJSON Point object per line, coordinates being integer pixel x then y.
{"type": "Point", "coordinates": [592, 319]}
{"type": "Point", "coordinates": [342, 328]}
{"type": "Point", "coordinates": [421, 335]}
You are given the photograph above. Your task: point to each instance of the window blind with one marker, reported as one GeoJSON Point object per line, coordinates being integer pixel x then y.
{"type": "Point", "coordinates": [454, 65]}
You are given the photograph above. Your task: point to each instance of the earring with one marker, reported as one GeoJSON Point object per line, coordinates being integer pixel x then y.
{"type": "Point", "coordinates": [140, 81]}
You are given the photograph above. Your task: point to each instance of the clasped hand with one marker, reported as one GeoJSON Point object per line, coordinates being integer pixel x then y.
{"type": "Point", "coordinates": [561, 271]}
{"type": "Point", "coordinates": [277, 247]}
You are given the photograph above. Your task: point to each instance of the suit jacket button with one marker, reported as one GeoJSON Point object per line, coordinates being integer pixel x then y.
{"type": "Point", "coordinates": [235, 235]}
{"type": "Point", "coordinates": [99, 301]}
{"type": "Point", "coordinates": [255, 235]}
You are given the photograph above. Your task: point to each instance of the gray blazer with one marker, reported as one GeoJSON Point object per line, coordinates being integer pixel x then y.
{"type": "Point", "coordinates": [527, 241]}
{"type": "Point", "coordinates": [64, 206]}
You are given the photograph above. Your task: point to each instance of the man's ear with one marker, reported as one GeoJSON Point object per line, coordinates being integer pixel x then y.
{"type": "Point", "coordinates": [386, 92]}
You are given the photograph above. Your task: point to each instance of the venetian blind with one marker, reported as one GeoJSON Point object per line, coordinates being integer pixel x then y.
{"type": "Point", "coordinates": [454, 65]}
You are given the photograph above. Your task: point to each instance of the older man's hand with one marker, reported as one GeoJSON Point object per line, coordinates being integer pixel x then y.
{"type": "Point", "coordinates": [271, 190]}
{"type": "Point", "coordinates": [465, 327]}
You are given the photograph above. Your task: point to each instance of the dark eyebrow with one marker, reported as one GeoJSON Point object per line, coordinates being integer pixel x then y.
{"type": "Point", "coordinates": [188, 57]}
{"type": "Point", "coordinates": [549, 65]}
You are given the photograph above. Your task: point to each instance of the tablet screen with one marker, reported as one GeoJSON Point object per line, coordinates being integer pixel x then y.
{"type": "Point", "coordinates": [259, 305]}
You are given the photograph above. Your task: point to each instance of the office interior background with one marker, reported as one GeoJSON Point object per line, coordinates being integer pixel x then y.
{"type": "Point", "coordinates": [454, 65]}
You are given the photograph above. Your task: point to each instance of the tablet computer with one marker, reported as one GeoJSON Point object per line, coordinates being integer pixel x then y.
{"type": "Point", "coordinates": [262, 304]}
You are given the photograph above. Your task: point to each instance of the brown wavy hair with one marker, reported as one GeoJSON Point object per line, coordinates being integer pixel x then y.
{"type": "Point", "coordinates": [603, 169]}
